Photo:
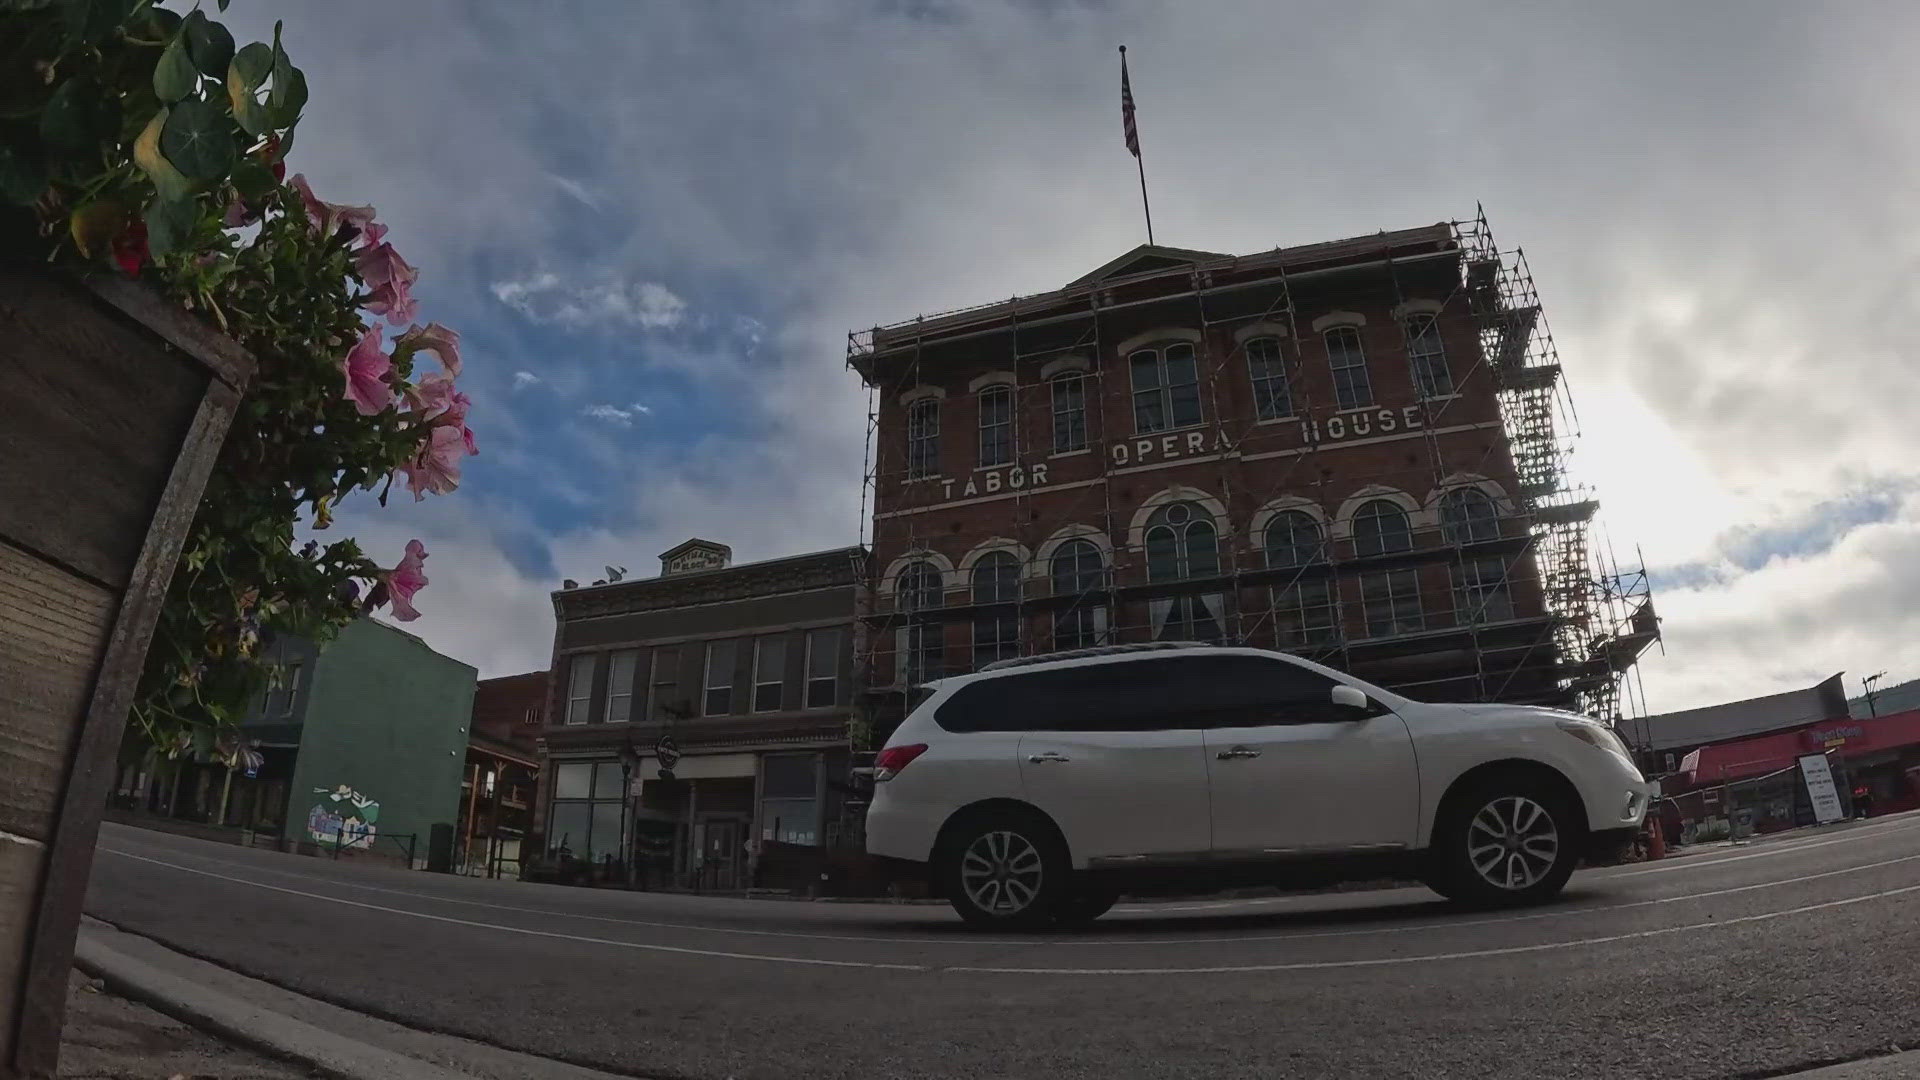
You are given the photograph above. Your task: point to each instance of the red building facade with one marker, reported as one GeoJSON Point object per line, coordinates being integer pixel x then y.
{"type": "Point", "coordinates": [1343, 450]}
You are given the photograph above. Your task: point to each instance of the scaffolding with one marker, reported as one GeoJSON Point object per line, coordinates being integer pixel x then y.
{"type": "Point", "coordinates": [1560, 624]}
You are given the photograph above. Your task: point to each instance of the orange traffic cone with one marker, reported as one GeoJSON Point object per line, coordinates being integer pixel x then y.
{"type": "Point", "coordinates": [1656, 842]}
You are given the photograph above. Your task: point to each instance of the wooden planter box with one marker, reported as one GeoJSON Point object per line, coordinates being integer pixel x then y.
{"type": "Point", "coordinates": [113, 406]}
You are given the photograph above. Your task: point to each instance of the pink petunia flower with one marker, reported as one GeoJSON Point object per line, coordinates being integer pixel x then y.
{"type": "Point", "coordinates": [365, 369]}
{"type": "Point", "coordinates": [432, 395]}
{"type": "Point", "coordinates": [436, 467]}
{"type": "Point", "coordinates": [328, 217]}
{"type": "Point", "coordinates": [391, 280]}
{"type": "Point", "coordinates": [436, 339]}
{"type": "Point", "coordinates": [406, 579]}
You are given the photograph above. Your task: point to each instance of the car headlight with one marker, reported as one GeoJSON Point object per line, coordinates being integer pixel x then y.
{"type": "Point", "coordinates": [1598, 735]}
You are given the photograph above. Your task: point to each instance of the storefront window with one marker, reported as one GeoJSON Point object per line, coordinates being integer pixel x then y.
{"type": "Point", "coordinates": [789, 809]}
{"type": "Point", "coordinates": [585, 817]}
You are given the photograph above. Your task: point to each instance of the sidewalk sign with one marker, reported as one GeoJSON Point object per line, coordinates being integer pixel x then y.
{"type": "Point", "coordinates": [1818, 774]}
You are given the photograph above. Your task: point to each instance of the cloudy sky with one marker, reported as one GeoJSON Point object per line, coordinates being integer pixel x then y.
{"type": "Point", "coordinates": [655, 223]}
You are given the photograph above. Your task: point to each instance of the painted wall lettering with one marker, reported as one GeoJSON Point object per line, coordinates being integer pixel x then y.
{"type": "Point", "coordinates": [1167, 447]}
{"type": "Point", "coordinates": [1361, 424]}
{"type": "Point", "coordinates": [994, 481]}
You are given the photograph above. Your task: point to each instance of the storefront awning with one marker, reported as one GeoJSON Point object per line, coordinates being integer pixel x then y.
{"type": "Point", "coordinates": [1770, 753]}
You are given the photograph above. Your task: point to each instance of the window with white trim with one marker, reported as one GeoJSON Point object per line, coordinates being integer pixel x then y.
{"type": "Point", "coordinates": [919, 593]}
{"type": "Point", "coordinates": [1266, 366]}
{"type": "Point", "coordinates": [996, 426]}
{"type": "Point", "coordinates": [1166, 387]}
{"type": "Point", "coordinates": [996, 591]}
{"type": "Point", "coordinates": [620, 686]}
{"type": "Point", "coordinates": [1381, 527]}
{"type": "Point", "coordinates": [1305, 612]}
{"type": "Point", "coordinates": [1348, 361]}
{"type": "Point", "coordinates": [1390, 602]}
{"type": "Point", "coordinates": [769, 672]}
{"type": "Point", "coordinates": [923, 438]}
{"type": "Point", "coordinates": [663, 688]}
{"type": "Point", "coordinates": [823, 667]}
{"type": "Point", "coordinates": [1293, 539]}
{"type": "Point", "coordinates": [1182, 543]}
{"type": "Point", "coordinates": [1428, 357]}
{"type": "Point", "coordinates": [1078, 570]}
{"type": "Point", "coordinates": [1069, 412]}
{"type": "Point", "coordinates": [718, 699]}
{"type": "Point", "coordinates": [579, 688]}
{"type": "Point", "coordinates": [1467, 515]}
{"type": "Point", "coordinates": [1481, 592]}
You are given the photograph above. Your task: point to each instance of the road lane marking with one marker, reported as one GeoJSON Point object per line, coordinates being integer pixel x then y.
{"type": "Point", "coordinates": [1305, 935]}
{"type": "Point", "coordinates": [1310, 965]}
{"type": "Point", "coordinates": [1702, 862]}
{"type": "Point", "coordinates": [1386, 961]}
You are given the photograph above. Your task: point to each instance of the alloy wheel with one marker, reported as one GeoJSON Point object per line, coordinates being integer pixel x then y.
{"type": "Point", "coordinates": [1513, 843]}
{"type": "Point", "coordinates": [1001, 872]}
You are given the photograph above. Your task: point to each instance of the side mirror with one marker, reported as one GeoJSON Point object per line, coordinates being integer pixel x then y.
{"type": "Point", "coordinates": [1351, 698]}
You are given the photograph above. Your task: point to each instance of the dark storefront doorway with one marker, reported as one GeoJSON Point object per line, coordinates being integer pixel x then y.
{"type": "Point", "coordinates": [721, 846]}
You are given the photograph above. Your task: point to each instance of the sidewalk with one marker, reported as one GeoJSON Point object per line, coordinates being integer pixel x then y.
{"type": "Point", "coordinates": [248, 1028]}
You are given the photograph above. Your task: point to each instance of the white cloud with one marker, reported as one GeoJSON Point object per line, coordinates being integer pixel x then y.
{"type": "Point", "coordinates": [524, 379]}
{"type": "Point", "coordinates": [544, 297]}
{"type": "Point", "coordinates": [614, 414]}
{"type": "Point", "coordinates": [575, 190]}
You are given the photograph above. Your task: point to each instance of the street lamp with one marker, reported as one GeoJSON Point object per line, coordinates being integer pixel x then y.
{"type": "Point", "coordinates": [1866, 685]}
{"type": "Point", "coordinates": [629, 760]}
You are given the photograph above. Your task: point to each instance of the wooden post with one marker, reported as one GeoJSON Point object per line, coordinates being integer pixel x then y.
{"type": "Point", "coordinates": [117, 408]}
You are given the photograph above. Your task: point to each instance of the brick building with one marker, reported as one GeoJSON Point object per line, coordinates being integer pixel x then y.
{"type": "Point", "coordinates": [1349, 450]}
{"type": "Point", "coordinates": [502, 773]}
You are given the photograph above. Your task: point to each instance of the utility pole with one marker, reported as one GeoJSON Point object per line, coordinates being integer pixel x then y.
{"type": "Point", "coordinates": [1866, 685]}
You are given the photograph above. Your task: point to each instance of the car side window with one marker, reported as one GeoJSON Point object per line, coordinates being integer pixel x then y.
{"type": "Point", "coordinates": [1134, 695]}
{"type": "Point", "coordinates": [1249, 691]}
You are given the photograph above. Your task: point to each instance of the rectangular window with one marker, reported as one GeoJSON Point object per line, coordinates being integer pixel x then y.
{"type": "Point", "coordinates": [1480, 591]}
{"type": "Point", "coordinates": [1069, 412]}
{"type": "Point", "coordinates": [769, 672]}
{"type": "Point", "coordinates": [1272, 399]}
{"type": "Point", "coordinates": [823, 667]}
{"type": "Point", "coordinates": [1080, 627]}
{"type": "Point", "coordinates": [996, 426]}
{"type": "Point", "coordinates": [923, 648]}
{"type": "Point", "coordinates": [995, 637]}
{"type": "Point", "coordinates": [719, 682]}
{"type": "Point", "coordinates": [1304, 613]}
{"type": "Point", "coordinates": [587, 811]}
{"type": "Point", "coordinates": [664, 691]}
{"type": "Point", "coordinates": [789, 803]}
{"type": "Point", "coordinates": [579, 689]}
{"type": "Point", "coordinates": [1427, 357]}
{"type": "Point", "coordinates": [1166, 388]}
{"type": "Point", "coordinates": [620, 686]}
{"type": "Point", "coordinates": [1391, 603]}
{"type": "Point", "coordinates": [923, 439]}
{"type": "Point", "coordinates": [1351, 388]}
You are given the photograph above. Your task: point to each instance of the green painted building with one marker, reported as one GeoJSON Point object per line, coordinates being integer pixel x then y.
{"type": "Point", "coordinates": [363, 744]}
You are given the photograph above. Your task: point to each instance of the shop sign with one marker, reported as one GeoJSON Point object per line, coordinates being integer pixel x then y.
{"type": "Point", "coordinates": [1818, 774]}
{"type": "Point", "coordinates": [1827, 738]}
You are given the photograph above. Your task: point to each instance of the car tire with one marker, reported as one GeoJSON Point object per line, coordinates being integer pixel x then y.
{"type": "Point", "coordinates": [1084, 904]}
{"type": "Point", "coordinates": [1005, 869]}
{"type": "Point", "coordinates": [1509, 840]}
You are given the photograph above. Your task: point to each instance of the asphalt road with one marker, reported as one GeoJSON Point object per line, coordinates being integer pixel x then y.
{"type": "Point", "coordinates": [1747, 962]}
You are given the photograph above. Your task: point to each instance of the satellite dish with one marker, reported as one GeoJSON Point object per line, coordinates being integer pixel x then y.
{"type": "Point", "coordinates": [616, 573]}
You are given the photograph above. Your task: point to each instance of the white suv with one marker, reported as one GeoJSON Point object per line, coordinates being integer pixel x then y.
{"type": "Point", "coordinates": [1037, 790]}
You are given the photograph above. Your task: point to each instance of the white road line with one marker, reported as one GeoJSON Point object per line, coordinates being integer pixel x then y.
{"type": "Point", "coordinates": [1387, 961]}
{"type": "Point", "coordinates": [1703, 862]}
{"type": "Point", "coordinates": [1282, 966]}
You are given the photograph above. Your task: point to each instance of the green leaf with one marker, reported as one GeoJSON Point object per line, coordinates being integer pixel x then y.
{"type": "Point", "coordinates": [222, 3]}
{"type": "Point", "coordinates": [77, 116]}
{"type": "Point", "coordinates": [167, 180]}
{"type": "Point", "coordinates": [286, 106]}
{"type": "Point", "coordinates": [169, 224]}
{"type": "Point", "coordinates": [175, 76]}
{"type": "Point", "coordinates": [249, 69]}
{"type": "Point", "coordinates": [209, 43]}
{"type": "Point", "coordinates": [90, 20]}
{"type": "Point", "coordinates": [23, 175]}
{"type": "Point", "coordinates": [11, 6]}
{"type": "Point", "coordinates": [198, 139]}
{"type": "Point", "coordinates": [253, 179]}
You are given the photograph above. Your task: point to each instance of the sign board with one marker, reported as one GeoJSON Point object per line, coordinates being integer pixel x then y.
{"type": "Point", "coordinates": [667, 751]}
{"type": "Point", "coordinates": [1818, 773]}
{"type": "Point", "coordinates": [1834, 735]}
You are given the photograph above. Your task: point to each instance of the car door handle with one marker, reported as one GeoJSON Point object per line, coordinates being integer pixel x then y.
{"type": "Point", "coordinates": [1237, 752]}
{"type": "Point", "coordinates": [1042, 759]}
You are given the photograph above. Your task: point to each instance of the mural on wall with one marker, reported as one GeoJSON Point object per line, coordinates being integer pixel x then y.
{"type": "Point", "coordinates": [343, 815]}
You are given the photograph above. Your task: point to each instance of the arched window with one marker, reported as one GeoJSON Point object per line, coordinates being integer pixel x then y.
{"type": "Point", "coordinates": [923, 439]}
{"type": "Point", "coordinates": [1272, 399]}
{"type": "Point", "coordinates": [921, 644]}
{"type": "Point", "coordinates": [1293, 539]}
{"type": "Point", "coordinates": [1351, 387]}
{"type": "Point", "coordinates": [1181, 543]}
{"type": "Point", "coordinates": [1427, 357]}
{"type": "Point", "coordinates": [1467, 515]}
{"type": "Point", "coordinates": [1380, 527]}
{"type": "Point", "coordinates": [1078, 570]}
{"type": "Point", "coordinates": [996, 630]}
{"type": "Point", "coordinates": [996, 426]}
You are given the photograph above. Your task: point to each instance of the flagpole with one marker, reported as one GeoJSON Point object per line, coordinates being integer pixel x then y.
{"type": "Point", "coordinates": [1134, 142]}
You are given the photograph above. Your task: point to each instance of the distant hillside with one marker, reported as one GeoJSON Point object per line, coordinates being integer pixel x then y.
{"type": "Point", "coordinates": [1893, 699]}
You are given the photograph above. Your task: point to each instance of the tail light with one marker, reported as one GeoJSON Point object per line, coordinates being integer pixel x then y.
{"type": "Point", "coordinates": [894, 758]}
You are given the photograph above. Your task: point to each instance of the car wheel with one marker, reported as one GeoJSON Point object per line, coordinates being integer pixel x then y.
{"type": "Point", "coordinates": [1006, 870]}
{"type": "Point", "coordinates": [1509, 840]}
{"type": "Point", "coordinates": [1085, 904]}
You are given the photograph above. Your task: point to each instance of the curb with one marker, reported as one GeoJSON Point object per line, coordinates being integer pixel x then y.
{"type": "Point", "coordinates": [248, 1025]}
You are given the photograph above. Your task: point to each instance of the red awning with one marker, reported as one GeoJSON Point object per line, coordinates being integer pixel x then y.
{"type": "Point", "coordinates": [1764, 754]}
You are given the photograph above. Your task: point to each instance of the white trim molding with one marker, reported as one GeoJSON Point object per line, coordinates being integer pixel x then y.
{"type": "Point", "coordinates": [1064, 364]}
{"type": "Point", "coordinates": [921, 393]}
{"type": "Point", "coordinates": [1257, 528]}
{"type": "Point", "coordinates": [1160, 337]}
{"type": "Point", "coordinates": [1418, 307]}
{"type": "Point", "coordinates": [987, 547]}
{"type": "Point", "coordinates": [1258, 330]}
{"type": "Point", "coordinates": [940, 562]}
{"type": "Point", "coordinates": [992, 378]}
{"type": "Point", "coordinates": [1338, 318]}
{"type": "Point", "coordinates": [1041, 568]}
{"type": "Point", "coordinates": [1455, 481]}
{"type": "Point", "coordinates": [1343, 518]}
{"type": "Point", "coordinates": [1137, 529]}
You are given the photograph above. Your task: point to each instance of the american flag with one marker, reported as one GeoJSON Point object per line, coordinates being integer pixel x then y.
{"type": "Point", "coordinates": [1126, 108]}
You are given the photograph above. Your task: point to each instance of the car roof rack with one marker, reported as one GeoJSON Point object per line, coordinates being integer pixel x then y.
{"type": "Point", "coordinates": [1097, 650]}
